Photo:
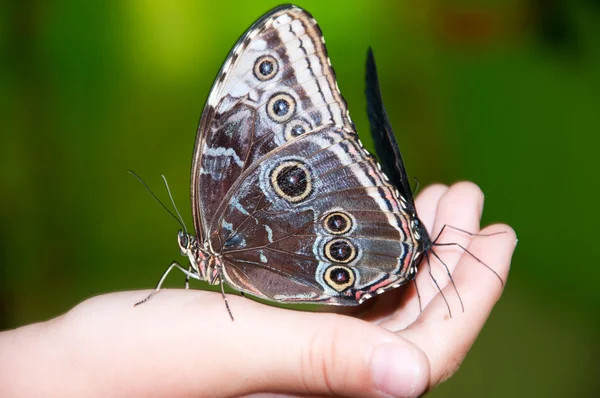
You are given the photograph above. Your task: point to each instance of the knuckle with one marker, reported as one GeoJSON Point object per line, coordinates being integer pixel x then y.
{"type": "Point", "coordinates": [323, 370]}
{"type": "Point", "coordinates": [437, 187]}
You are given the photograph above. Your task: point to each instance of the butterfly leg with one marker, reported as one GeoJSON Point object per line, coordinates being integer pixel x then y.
{"type": "Point", "coordinates": [418, 295]}
{"type": "Point", "coordinates": [224, 296]}
{"type": "Point", "coordinates": [174, 264]}
{"type": "Point", "coordinates": [463, 231]}
{"type": "Point", "coordinates": [437, 285]}
{"type": "Point", "coordinates": [218, 275]}
{"type": "Point", "coordinates": [474, 256]}
{"type": "Point", "coordinates": [449, 277]}
{"type": "Point", "coordinates": [187, 277]}
{"type": "Point", "coordinates": [435, 243]}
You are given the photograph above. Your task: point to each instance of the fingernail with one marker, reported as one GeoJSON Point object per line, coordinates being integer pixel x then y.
{"type": "Point", "coordinates": [396, 369]}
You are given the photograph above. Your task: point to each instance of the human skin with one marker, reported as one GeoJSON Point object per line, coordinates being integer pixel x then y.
{"type": "Point", "coordinates": [182, 343]}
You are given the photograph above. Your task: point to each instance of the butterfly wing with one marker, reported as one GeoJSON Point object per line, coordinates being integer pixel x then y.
{"type": "Point", "coordinates": [283, 191]}
{"type": "Point", "coordinates": [317, 222]}
{"type": "Point", "coordinates": [386, 145]}
{"type": "Point", "coordinates": [277, 53]}
{"type": "Point", "coordinates": [389, 152]}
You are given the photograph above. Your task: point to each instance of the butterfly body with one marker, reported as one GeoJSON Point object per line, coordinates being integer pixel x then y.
{"type": "Point", "coordinates": [287, 204]}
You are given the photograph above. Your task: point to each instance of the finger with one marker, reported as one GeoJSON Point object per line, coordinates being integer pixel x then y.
{"type": "Point", "coordinates": [446, 340]}
{"type": "Point", "coordinates": [427, 203]}
{"type": "Point", "coordinates": [460, 207]}
{"type": "Point", "coordinates": [183, 343]}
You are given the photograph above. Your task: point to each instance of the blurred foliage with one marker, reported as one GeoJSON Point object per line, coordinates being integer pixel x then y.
{"type": "Point", "coordinates": [502, 93]}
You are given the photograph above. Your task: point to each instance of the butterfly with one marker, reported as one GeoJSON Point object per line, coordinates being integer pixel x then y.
{"type": "Point", "coordinates": [287, 204]}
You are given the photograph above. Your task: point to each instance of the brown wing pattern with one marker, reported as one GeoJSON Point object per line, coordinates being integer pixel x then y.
{"type": "Point", "coordinates": [277, 233]}
{"type": "Point", "coordinates": [282, 189]}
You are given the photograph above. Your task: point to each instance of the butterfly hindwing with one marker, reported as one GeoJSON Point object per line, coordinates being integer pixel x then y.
{"type": "Point", "coordinates": [318, 205]}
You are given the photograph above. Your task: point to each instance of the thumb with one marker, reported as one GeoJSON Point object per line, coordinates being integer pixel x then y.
{"type": "Point", "coordinates": [183, 344]}
{"type": "Point", "coordinates": [282, 351]}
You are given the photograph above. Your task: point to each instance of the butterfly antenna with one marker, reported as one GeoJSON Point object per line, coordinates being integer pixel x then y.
{"type": "Point", "coordinates": [133, 173]}
{"type": "Point", "coordinates": [173, 202]}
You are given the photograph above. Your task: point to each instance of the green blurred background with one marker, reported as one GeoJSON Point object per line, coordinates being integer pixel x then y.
{"type": "Point", "coordinates": [504, 93]}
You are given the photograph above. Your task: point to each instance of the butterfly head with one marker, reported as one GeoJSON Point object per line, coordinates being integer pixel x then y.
{"type": "Point", "coordinates": [199, 257]}
{"type": "Point", "coordinates": [187, 243]}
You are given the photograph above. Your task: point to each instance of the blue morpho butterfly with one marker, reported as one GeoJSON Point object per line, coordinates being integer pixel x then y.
{"type": "Point", "coordinates": [287, 204]}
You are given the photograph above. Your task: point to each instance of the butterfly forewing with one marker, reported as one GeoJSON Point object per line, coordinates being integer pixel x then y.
{"type": "Point", "coordinates": [281, 61]}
